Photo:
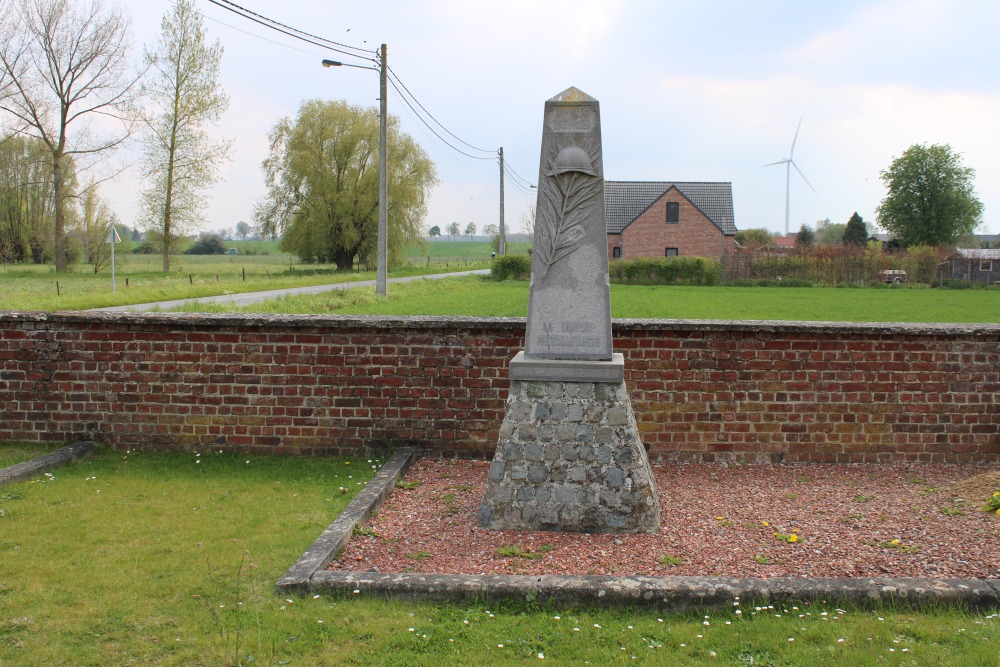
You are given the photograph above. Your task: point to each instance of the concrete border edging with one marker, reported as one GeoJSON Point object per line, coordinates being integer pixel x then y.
{"type": "Point", "coordinates": [336, 536]}
{"type": "Point", "coordinates": [60, 457]}
{"type": "Point", "coordinates": [308, 575]}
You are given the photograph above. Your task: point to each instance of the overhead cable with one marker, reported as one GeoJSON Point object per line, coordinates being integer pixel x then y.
{"type": "Point", "coordinates": [295, 33]}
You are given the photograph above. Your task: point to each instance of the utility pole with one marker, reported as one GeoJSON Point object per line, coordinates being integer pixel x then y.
{"type": "Point", "coordinates": [502, 248]}
{"type": "Point", "coordinates": [383, 203]}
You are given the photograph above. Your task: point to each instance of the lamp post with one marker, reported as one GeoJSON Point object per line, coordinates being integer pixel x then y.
{"type": "Point", "coordinates": [381, 265]}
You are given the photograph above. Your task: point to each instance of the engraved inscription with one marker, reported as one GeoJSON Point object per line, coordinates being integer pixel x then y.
{"type": "Point", "coordinates": [572, 119]}
{"type": "Point", "coordinates": [567, 341]}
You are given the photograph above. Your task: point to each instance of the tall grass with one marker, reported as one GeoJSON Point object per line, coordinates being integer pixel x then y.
{"type": "Point", "coordinates": [170, 559]}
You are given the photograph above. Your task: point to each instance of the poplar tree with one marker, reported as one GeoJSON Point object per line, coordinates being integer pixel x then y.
{"type": "Point", "coordinates": [181, 160]}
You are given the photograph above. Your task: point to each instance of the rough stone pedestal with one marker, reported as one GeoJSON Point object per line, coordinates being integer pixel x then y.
{"type": "Point", "coordinates": [569, 458]}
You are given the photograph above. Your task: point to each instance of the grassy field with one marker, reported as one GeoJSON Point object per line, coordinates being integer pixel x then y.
{"type": "Point", "coordinates": [170, 559]}
{"type": "Point", "coordinates": [464, 249]}
{"type": "Point", "coordinates": [140, 279]}
{"type": "Point", "coordinates": [479, 297]}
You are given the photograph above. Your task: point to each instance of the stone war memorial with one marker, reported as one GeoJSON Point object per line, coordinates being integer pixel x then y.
{"type": "Point", "coordinates": [569, 457]}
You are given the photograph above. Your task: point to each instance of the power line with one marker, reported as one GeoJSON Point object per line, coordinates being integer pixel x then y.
{"type": "Point", "coordinates": [295, 33]}
{"type": "Point", "coordinates": [401, 89]}
{"type": "Point", "coordinates": [247, 32]}
{"type": "Point", "coordinates": [516, 178]}
{"type": "Point", "coordinates": [431, 128]}
{"type": "Point", "coordinates": [431, 116]}
{"type": "Point", "coordinates": [246, 11]}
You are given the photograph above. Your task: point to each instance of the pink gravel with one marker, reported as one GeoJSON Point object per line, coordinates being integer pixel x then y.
{"type": "Point", "coordinates": [845, 519]}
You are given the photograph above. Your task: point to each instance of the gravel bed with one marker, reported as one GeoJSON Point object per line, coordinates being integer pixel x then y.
{"type": "Point", "coordinates": [800, 520]}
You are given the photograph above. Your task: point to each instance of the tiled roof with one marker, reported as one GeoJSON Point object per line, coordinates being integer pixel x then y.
{"type": "Point", "coordinates": [625, 200]}
{"type": "Point", "coordinates": [978, 253]}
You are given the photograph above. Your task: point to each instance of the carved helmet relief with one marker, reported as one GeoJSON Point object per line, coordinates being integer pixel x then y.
{"type": "Point", "coordinates": [573, 158]}
{"type": "Point", "coordinates": [567, 203]}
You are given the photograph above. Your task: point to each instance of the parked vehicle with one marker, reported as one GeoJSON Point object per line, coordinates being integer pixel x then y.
{"type": "Point", "coordinates": [894, 276]}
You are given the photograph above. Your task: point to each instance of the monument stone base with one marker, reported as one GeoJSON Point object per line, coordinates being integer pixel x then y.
{"type": "Point", "coordinates": [569, 458]}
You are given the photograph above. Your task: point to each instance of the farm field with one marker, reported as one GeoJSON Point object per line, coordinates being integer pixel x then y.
{"type": "Point", "coordinates": [480, 297]}
{"type": "Point", "coordinates": [170, 559]}
{"type": "Point", "coordinates": [440, 249]}
{"type": "Point", "coordinates": [140, 279]}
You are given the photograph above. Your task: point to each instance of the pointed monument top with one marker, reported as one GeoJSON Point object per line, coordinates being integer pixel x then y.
{"type": "Point", "coordinates": [572, 94]}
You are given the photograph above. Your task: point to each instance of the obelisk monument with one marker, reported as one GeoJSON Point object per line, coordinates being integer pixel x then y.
{"type": "Point", "coordinates": [569, 455]}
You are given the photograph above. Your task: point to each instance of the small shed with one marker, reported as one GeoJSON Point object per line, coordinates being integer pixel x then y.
{"type": "Point", "coordinates": [973, 264]}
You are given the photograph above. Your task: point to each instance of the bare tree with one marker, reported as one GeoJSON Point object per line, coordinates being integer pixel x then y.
{"type": "Point", "coordinates": [528, 223]}
{"type": "Point", "coordinates": [181, 159]}
{"type": "Point", "coordinates": [65, 66]}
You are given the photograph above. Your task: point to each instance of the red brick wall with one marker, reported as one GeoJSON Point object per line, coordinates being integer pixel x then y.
{"type": "Point", "coordinates": [309, 385]}
{"type": "Point", "coordinates": [649, 234]}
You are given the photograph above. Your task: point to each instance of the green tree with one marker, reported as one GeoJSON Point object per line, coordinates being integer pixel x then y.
{"type": "Point", "coordinates": [95, 222]}
{"type": "Point", "coordinates": [243, 230]}
{"type": "Point", "coordinates": [754, 237]}
{"type": "Point", "coordinates": [470, 230]}
{"type": "Point", "coordinates": [26, 203]}
{"type": "Point", "coordinates": [322, 177]}
{"type": "Point", "coordinates": [856, 232]}
{"type": "Point", "coordinates": [63, 65]}
{"type": "Point", "coordinates": [434, 231]}
{"type": "Point", "coordinates": [930, 198]}
{"type": "Point", "coordinates": [805, 237]}
{"type": "Point", "coordinates": [831, 233]}
{"type": "Point", "coordinates": [453, 230]}
{"type": "Point", "coordinates": [208, 243]}
{"type": "Point", "coordinates": [181, 160]}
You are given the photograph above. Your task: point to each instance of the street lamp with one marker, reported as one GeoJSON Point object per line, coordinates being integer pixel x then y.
{"type": "Point", "coordinates": [380, 270]}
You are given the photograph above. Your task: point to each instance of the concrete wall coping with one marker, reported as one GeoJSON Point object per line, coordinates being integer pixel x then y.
{"type": "Point", "coordinates": [60, 457]}
{"type": "Point", "coordinates": [513, 324]}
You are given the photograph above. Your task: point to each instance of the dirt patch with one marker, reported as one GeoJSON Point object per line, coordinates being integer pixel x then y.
{"type": "Point", "coordinates": [976, 490]}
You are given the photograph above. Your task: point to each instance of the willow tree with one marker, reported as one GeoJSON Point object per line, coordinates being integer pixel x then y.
{"type": "Point", "coordinates": [181, 159]}
{"type": "Point", "coordinates": [26, 202]}
{"type": "Point", "coordinates": [63, 65]}
{"type": "Point", "coordinates": [322, 178]}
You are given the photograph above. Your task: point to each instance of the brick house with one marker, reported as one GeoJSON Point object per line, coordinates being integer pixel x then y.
{"type": "Point", "coordinates": [972, 264]}
{"type": "Point", "coordinates": [657, 219]}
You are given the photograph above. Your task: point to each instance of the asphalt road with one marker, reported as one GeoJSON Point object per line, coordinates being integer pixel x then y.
{"type": "Point", "coordinates": [256, 297]}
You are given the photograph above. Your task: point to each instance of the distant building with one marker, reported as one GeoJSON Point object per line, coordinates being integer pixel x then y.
{"type": "Point", "coordinates": [972, 264]}
{"type": "Point", "coordinates": [669, 219]}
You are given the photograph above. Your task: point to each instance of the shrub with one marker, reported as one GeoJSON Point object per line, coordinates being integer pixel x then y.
{"type": "Point", "coordinates": [511, 267]}
{"type": "Point", "coordinates": [665, 271]}
{"type": "Point", "coordinates": [207, 244]}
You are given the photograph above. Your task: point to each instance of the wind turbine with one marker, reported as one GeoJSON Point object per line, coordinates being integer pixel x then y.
{"type": "Point", "coordinates": [789, 162]}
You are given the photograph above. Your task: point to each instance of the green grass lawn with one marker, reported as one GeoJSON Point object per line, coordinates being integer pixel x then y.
{"type": "Point", "coordinates": [170, 559]}
{"type": "Point", "coordinates": [479, 297]}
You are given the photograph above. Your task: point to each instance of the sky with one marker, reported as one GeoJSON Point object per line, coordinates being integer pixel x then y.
{"type": "Point", "coordinates": [689, 91]}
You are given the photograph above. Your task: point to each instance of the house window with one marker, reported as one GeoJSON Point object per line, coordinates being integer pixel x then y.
{"type": "Point", "coordinates": [985, 266]}
{"type": "Point", "coordinates": [673, 212]}
{"type": "Point", "coordinates": [616, 252]}
{"type": "Point", "coordinates": [670, 252]}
